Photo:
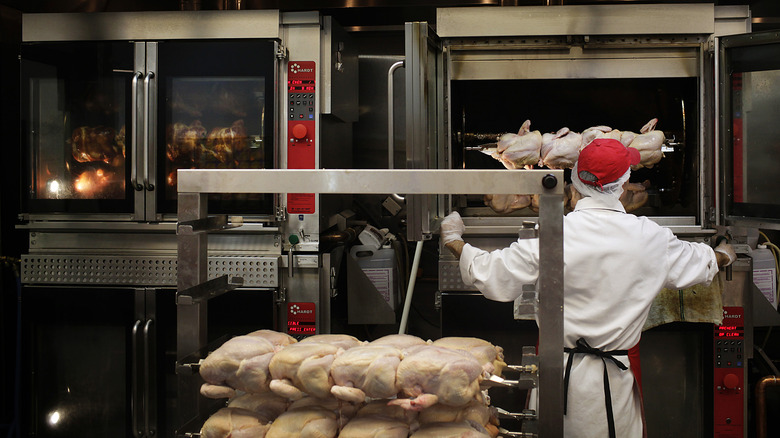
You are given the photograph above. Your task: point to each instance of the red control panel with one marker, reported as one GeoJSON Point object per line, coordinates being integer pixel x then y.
{"type": "Point", "coordinates": [729, 373]}
{"type": "Point", "coordinates": [301, 129]}
{"type": "Point", "coordinates": [301, 318]}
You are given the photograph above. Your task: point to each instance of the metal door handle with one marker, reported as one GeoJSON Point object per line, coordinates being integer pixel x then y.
{"type": "Point", "coordinates": [390, 136]}
{"type": "Point", "coordinates": [133, 129]}
{"type": "Point", "coordinates": [147, 97]}
{"type": "Point", "coordinates": [147, 359]}
{"type": "Point", "coordinates": [134, 378]}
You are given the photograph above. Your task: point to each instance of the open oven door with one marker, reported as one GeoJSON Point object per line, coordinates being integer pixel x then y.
{"type": "Point", "coordinates": [749, 133]}
{"type": "Point", "coordinates": [425, 122]}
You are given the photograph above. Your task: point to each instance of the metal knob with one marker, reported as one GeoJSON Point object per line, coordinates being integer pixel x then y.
{"type": "Point", "coordinates": [549, 181]}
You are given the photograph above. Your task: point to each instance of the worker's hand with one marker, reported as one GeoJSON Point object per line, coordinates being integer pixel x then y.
{"type": "Point", "coordinates": [725, 254]}
{"type": "Point", "coordinates": [452, 228]}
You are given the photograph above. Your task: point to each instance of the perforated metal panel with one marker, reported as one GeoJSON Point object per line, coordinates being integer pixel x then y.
{"type": "Point", "coordinates": [140, 270]}
{"type": "Point", "coordinates": [449, 276]}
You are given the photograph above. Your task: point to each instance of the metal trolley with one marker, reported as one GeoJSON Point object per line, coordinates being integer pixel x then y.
{"type": "Point", "coordinates": [194, 290]}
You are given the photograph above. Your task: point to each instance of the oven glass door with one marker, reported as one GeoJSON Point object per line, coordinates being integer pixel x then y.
{"type": "Point", "coordinates": [80, 361]}
{"type": "Point", "coordinates": [98, 362]}
{"type": "Point", "coordinates": [751, 135]}
{"type": "Point", "coordinates": [75, 115]}
{"type": "Point", "coordinates": [216, 111]}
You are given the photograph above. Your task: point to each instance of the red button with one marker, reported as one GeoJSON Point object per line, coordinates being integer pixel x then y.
{"type": "Point", "coordinates": [730, 381]}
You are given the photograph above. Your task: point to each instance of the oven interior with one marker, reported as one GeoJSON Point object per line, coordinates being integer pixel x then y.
{"type": "Point", "coordinates": [483, 109]}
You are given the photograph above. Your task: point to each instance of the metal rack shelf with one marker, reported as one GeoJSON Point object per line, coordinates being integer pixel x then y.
{"type": "Point", "coordinates": [194, 186]}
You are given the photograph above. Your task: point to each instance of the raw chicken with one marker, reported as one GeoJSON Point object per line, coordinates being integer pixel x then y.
{"type": "Point", "coordinates": [217, 391]}
{"type": "Point", "coordinates": [366, 371]}
{"type": "Point", "coordinates": [504, 204]}
{"type": "Point", "coordinates": [515, 151]}
{"type": "Point", "coordinates": [303, 368]}
{"type": "Point", "coordinates": [561, 149]}
{"type": "Point", "coordinates": [432, 374]}
{"type": "Point", "coordinates": [235, 423]}
{"type": "Point", "coordinates": [376, 416]}
{"type": "Point", "coordinates": [305, 422]}
{"type": "Point", "coordinates": [634, 195]}
{"type": "Point", "coordinates": [490, 356]}
{"type": "Point", "coordinates": [572, 196]}
{"type": "Point", "coordinates": [279, 339]}
{"type": "Point", "coordinates": [267, 405]}
{"type": "Point", "coordinates": [400, 341]}
{"type": "Point", "coordinates": [476, 412]}
{"type": "Point", "coordinates": [343, 410]}
{"type": "Point", "coordinates": [463, 429]}
{"type": "Point", "coordinates": [344, 341]}
{"type": "Point", "coordinates": [593, 133]}
{"type": "Point", "coordinates": [649, 144]}
{"type": "Point", "coordinates": [375, 427]}
{"type": "Point", "coordinates": [241, 353]}
{"type": "Point", "coordinates": [382, 408]}
{"type": "Point", "coordinates": [242, 363]}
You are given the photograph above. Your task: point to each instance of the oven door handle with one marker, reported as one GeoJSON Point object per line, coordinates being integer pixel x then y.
{"type": "Point", "coordinates": [134, 396]}
{"type": "Point", "coordinates": [134, 130]}
{"type": "Point", "coordinates": [150, 390]}
{"type": "Point", "coordinates": [390, 134]}
{"type": "Point", "coordinates": [147, 123]}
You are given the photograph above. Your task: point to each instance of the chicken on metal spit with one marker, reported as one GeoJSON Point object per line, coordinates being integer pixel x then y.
{"type": "Point", "coordinates": [515, 151]}
{"type": "Point", "coordinates": [304, 368]}
{"type": "Point", "coordinates": [242, 363]}
{"type": "Point", "coordinates": [431, 374]}
{"type": "Point", "coordinates": [99, 143]}
{"type": "Point", "coordinates": [366, 371]}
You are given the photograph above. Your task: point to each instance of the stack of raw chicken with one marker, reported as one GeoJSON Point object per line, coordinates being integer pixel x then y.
{"type": "Point", "coordinates": [331, 386]}
{"type": "Point", "coordinates": [560, 150]}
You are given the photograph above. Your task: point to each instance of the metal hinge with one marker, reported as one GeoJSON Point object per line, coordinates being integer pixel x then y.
{"type": "Point", "coordinates": [281, 52]}
{"type": "Point", "coordinates": [281, 295]}
{"type": "Point", "coordinates": [334, 292]}
{"type": "Point", "coordinates": [281, 213]}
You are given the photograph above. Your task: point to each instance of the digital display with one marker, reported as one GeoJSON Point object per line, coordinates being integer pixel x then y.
{"type": "Point", "coordinates": [730, 331]}
{"type": "Point", "coordinates": [301, 328]}
{"type": "Point", "coordinates": [301, 88]}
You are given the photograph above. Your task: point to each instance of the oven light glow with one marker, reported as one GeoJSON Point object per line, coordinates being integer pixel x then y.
{"type": "Point", "coordinates": [54, 418]}
{"type": "Point", "coordinates": [54, 187]}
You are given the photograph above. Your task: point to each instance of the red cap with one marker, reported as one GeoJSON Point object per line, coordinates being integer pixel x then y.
{"type": "Point", "coordinates": [607, 159]}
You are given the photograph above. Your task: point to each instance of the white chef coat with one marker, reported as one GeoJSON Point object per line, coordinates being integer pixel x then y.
{"type": "Point", "coordinates": [614, 265]}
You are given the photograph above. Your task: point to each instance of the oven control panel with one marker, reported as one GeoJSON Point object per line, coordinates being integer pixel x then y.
{"type": "Point", "coordinates": [301, 128]}
{"type": "Point", "coordinates": [729, 374]}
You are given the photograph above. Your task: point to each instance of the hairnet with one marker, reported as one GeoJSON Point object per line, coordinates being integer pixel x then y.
{"type": "Point", "coordinates": [610, 191]}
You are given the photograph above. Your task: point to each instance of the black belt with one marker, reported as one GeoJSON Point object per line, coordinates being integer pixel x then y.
{"type": "Point", "coordinates": [583, 348]}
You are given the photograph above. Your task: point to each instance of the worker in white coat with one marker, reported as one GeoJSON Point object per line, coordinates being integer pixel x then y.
{"type": "Point", "coordinates": [614, 265]}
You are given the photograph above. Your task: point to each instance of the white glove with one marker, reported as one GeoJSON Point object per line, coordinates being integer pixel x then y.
{"type": "Point", "coordinates": [728, 250]}
{"type": "Point", "coordinates": [452, 228]}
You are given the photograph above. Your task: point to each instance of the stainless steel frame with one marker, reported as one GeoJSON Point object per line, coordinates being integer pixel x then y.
{"type": "Point", "coordinates": [725, 211]}
{"type": "Point", "coordinates": [426, 147]}
{"type": "Point", "coordinates": [193, 208]}
{"type": "Point", "coordinates": [151, 25]}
